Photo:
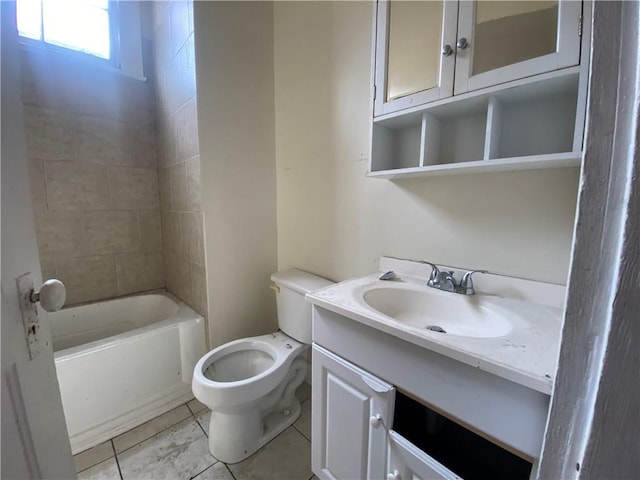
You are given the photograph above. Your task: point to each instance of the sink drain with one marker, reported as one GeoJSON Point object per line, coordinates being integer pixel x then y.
{"type": "Point", "coordinates": [435, 328]}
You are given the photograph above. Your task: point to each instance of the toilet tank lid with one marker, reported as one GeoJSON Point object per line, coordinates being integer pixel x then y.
{"type": "Point", "coordinates": [299, 281]}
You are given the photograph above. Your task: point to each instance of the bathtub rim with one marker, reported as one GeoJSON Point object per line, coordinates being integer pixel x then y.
{"type": "Point", "coordinates": [184, 314]}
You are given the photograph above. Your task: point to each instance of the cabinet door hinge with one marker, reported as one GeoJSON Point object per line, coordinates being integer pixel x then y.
{"type": "Point", "coordinates": [375, 91]}
{"type": "Point", "coordinates": [580, 26]}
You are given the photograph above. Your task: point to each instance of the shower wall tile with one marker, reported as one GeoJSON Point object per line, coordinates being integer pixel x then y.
{"type": "Point", "coordinates": [137, 272]}
{"type": "Point", "coordinates": [178, 276]}
{"type": "Point", "coordinates": [164, 181]}
{"type": "Point", "coordinates": [111, 231]}
{"type": "Point", "coordinates": [133, 188]}
{"type": "Point", "coordinates": [76, 186]}
{"type": "Point", "coordinates": [150, 226]}
{"type": "Point", "coordinates": [49, 134]}
{"type": "Point", "coordinates": [191, 225]}
{"type": "Point", "coordinates": [48, 267]}
{"type": "Point", "coordinates": [172, 234]}
{"type": "Point", "coordinates": [178, 153]}
{"type": "Point", "coordinates": [199, 288]}
{"type": "Point", "coordinates": [105, 141]}
{"type": "Point", "coordinates": [193, 184]}
{"type": "Point", "coordinates": [178, 185]}
{"type": "Point", "coordinates": [186, 122]}
{"type": "Point", "coordinates": [37, 186]}
{"type": "Point", "coordinates": [144, 146]}
{"type": "Point", "coordinates": [60, 233]}
{"type": "Point", "coordinates": [95, 190]}
{"type": "Point", "coordinates": [88, 278]}
{"type": "Point", "coordinates": [179, 21]}
{"type": "Point", "coordinates": [188, 69]}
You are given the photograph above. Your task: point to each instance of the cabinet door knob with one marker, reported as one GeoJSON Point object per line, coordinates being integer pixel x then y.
{"type": "Point", "coordinates": [375, 420]}
{"type": "Point", "coordinates": [462, 43]}
{"type": "Point", "coordinates": [395, 475]}
{"type": "Point", "coordinates": [447, 50]}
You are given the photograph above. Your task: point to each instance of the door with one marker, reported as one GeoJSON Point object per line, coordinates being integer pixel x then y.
{"type": "Point", "coordinates": [501, 41]}
{"type": "Point", "coordinates": [415, 54]}
{"type": "Point", "coordinates": [350, 419]}
{"type": "Point", "coordinates": [34, 435]}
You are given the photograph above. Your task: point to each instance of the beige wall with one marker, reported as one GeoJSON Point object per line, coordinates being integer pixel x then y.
{"type": "Point", "coordinates": [234, 59]}
{"type": "Point", "coordinates": [334, 221]}
{"type": "Point", "coordinates": [92, 163]}
{"type": "Point", "coordinates": [178, 159]}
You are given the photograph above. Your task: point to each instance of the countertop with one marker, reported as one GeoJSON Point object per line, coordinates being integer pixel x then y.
{"type": "Point", "coordinates": [527, 355]}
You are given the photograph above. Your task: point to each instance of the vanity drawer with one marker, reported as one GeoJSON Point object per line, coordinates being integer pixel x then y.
{"type": "Point", "coordinates": [408, 462]}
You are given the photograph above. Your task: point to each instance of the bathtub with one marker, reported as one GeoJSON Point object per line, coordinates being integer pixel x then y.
{"type": "Point", "coordinates": [122, 362]}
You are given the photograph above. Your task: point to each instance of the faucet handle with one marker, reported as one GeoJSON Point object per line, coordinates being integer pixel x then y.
{"type": "Point", "coordinates": [434, 278]}
{"type": "Point", "coordinates": [466, 283]}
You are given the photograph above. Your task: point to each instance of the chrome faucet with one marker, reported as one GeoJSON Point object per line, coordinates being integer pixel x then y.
{"type": "Point", "coordinates": [447, 282]}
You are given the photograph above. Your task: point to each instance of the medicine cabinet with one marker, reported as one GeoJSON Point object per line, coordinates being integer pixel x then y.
{"type": "Point", "coordinates": [474, 86]}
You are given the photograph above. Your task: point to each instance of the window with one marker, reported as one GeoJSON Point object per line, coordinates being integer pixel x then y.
{"type": "Point", "coordinates": [82, 25]}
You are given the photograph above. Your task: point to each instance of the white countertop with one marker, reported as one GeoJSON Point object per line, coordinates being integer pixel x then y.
{"type": "Point", "coordinates": [527, 355]}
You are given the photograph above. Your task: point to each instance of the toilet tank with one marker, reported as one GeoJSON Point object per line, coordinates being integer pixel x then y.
{"type": "Point", "coordinates": [294, 313]}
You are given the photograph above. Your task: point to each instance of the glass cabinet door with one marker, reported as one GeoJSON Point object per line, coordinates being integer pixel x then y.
{"type": "Point", "coordinates": [500, 41]}
{"type": "Point", "coordinates": [415, 52]}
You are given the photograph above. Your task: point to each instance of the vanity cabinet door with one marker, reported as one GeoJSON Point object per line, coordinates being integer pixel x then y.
{"type": "Point", "coordinates": [350, 419]}
{"type": "Point", "coordinates": [500, 41]}
{"type": "Point", "coordinates": [407, 462]}
{"type": "Point", "coordinates": [415, 53]}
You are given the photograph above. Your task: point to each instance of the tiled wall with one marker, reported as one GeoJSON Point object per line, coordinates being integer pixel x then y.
{"type": "Point", "coordinates": [91, 147]}
{"type": "Point", "coordinates": [178, 159]}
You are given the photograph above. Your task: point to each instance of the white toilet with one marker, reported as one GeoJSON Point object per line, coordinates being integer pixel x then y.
{"type": "Point", "coordinates": [249, 384]}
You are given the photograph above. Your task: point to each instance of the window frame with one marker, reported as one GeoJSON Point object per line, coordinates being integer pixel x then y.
{"type": "Point", "coordinates": [114, 42]}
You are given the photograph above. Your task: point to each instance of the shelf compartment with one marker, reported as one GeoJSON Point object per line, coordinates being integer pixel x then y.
{"type": "Point", "coordinates": [530, 126]}
{"type": "Point", "coordinates": [397, 145]}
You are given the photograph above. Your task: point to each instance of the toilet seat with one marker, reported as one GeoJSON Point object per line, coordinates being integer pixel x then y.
{"type": "Point", "coordinates": [247, 369]}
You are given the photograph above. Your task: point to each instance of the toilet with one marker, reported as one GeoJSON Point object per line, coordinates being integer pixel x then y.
{"type": "Point", "coordinates": [249, 384]}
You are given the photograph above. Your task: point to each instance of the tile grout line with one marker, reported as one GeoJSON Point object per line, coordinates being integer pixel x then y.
{"type": "Point", "coordinates": [207, 468]}
{"type": "Point", "coordinates": [300, 432]}
{"type": "Point", "coordinates": [155, 434]}
{"type": "Point", "coordinates": [117, 460]}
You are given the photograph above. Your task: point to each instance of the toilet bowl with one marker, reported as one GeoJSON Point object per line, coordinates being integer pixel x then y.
{"type": "Point", "coordinates": [249, 384]}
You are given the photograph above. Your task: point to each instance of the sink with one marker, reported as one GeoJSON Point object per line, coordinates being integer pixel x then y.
{"type": "Point", "coordinates": [442, 313]}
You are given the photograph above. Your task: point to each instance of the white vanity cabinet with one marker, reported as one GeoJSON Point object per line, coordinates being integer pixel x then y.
{"type": "Point", "coordinates": [429, 50]}
{"type": "Point", "coordinates": [477, 86]}
{"type": "Point", "coordinates": [375, 397]}
{"type": "Point", "coordinates": [350, 419]}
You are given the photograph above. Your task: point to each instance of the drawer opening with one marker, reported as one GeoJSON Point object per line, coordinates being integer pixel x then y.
{"type": "Point", "coordinates": [461, 450]}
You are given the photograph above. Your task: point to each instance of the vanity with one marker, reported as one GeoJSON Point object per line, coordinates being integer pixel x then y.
{"type": "Point", "coordinates": [395, 398]}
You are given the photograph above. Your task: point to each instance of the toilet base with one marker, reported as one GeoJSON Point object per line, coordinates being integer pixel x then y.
{"type": "Point", "coordinates": [237, 434]}
{"type": "Point", "coordinates": [234, 437]}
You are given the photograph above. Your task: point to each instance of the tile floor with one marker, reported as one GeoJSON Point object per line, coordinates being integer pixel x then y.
{"type": "Point", "coordinates": [175, 446]}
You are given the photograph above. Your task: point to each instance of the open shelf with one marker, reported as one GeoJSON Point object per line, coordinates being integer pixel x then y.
{"type": "Point", "coordinates": [527, 126]}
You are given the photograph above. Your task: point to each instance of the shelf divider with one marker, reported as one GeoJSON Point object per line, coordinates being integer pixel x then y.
{"type": "Point", "coordinates": [430, 145]}
{"type": "Point", "coordinates": [494, 130]}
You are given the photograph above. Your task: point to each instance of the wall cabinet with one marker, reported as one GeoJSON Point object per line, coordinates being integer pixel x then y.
{"type": "Point", "coordinates": [429, 50]}
{"type": "Point", "coordinates": [476, 86]}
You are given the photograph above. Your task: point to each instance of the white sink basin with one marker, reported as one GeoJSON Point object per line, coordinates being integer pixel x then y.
{"type": "Point", "coordinates": [443, 313]}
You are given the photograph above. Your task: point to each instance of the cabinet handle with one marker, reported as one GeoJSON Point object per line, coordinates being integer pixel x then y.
{"type": "Point", "coordinates": [462, 43]}
{"type": "Point", "coordinates": [395, 475]}
{"type": "Point", "coordinates": [375, 420]}
{"type": "Point", "coordinates": [447, 50]}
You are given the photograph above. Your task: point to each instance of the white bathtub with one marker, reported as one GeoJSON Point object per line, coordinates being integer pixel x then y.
{"type": "Point", "coordinates": [122, 362]}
